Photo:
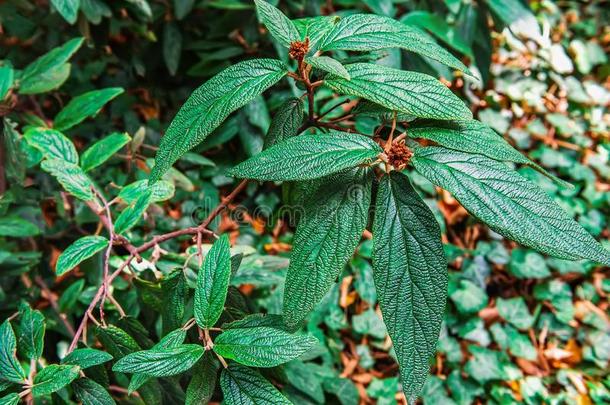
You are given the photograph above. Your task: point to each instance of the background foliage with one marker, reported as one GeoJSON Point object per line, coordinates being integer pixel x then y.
{"type": "Point", "coordinates": [520, 327]}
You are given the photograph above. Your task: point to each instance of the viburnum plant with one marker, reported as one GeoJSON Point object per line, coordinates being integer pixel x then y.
{"type": "Point", "coordinates": [348, 183]}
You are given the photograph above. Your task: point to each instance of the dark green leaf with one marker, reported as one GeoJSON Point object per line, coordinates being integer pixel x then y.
{"type": "Point", "coordinates": [85, 358]}
{"type": "Point", "coordinates": [175, 295]}
{"type": "Point", "coordinates": [202, 384]}
{"type": "Point", "coordinates": [91, 393]}
{"type": "Point", "coordinates": [53, 144]}
{"type": "Point", "coordinates": [83, 106]}
{"type": "Point", "coordinates": [67, 8]}
{"type": "Point", "coordinates": [17, 227]}
{"type": "Point", "coordinates": [116, 341]}
{"type": "Point", "coordinates": [244, 386]}
{"type": "Point", "coordinates": [329, 65]}
{"type": "Point", "coordinates": [54, 377]}
{"type": "Point", "coordinates": [286, 122]}
{"type": "Point", "coordinates": [10, 369]}
{"type": "Point", "coordinates": [72, 178]}
{"type": "Point", "coordinates": [31, 332]}
{"type": "Point", "coordinates": [160, 363]}
{"type": "Point", "coordinates": [103, 149]}
{"type": "Point", "coordinates": [79, 251]}
{"type": "Point", "coordinates": [280, 27]}
{"type": "Point", "coordinates": [172, 47]}
{"type": "Point", "coordinates": [450, 35]}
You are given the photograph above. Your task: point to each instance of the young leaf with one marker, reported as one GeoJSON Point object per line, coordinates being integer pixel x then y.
{"type": "Point", "coordinates": [329, 65]}
{"type": "Point", "coordinates": [412, 93]}
{"type": "Point", "coordinates": [510, 204]}
{"type": "Point", "coordinates": [85, 358]}
{"type": "Point", "coordinates": [243, 386]}
{"type": "Point", "coordinates": [130, 215]}
{"type": "Point", "coordinates": [161, 191]}
{"type": "Point", "coordinates": [410, 273]}
{"type": "Point", "coordinates": [10, 369]}
{"type": "Point", "coordinates": [160, 363]}
{"type": "Point", "coordinates": [67, 8]}
{"type": "Point", "coordinates": [285, 123]}
{"type": "Point", "coordinates": [83, 106]}
{"type": "Point", "coordinates": [211, 104]}
{"type": "Point", "coordinates": [369, 32]}
{"type": "Point", "coordinates": [336, 214]}
{"type": "Point", "coordinates": [17, 227]}
{"type": "Point", "coordinates": [103, 149]}
{"type": "Point", "coordinates": [71, 177]}
{"type": "Point", "coordinates": [213, 283]}
{"type": "Point", "coordinates": [54, 377]}
{"type": "Point", "coordinates": [91, 393]}
{"type": "Point", "coordinates": [53, 144]}
{"type": "Point", "coordinates": [31, 332]}
{"type": "Point", "coordinates": [202, 384]}
{"type": "Point", "coordinates": [308, 157]}
{"type": "Point", "coordinates": [78, 251]}
{"type": "Point", "coordinates": [7, 77]}
{"type": "Point", "coordinates": [47, 66]}
{"type": "Point", "coordinates": [262, 346]}
{"type": "Point", "coordinates": [280, 26]}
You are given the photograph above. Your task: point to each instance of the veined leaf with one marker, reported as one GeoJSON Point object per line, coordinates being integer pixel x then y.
{"type": "Point", "coordinates": [510, 204]}
{"type": "Point", "coordinates": [175, 294]}
{"type": "Point", "coordinates": [48, 80]}
{"type": "Point", "coordinates": [17, 227]}
{"type": "Point", "coordinates": [48, 65]}
{"type": "Point", "coordinates": [211, 104]}
{"type": "Point", "coordinates": [261, 346]}
{"type": "Point", "coordinates": [412, 93]}
{"type": "Point", "coordinates": [161, 191]}
{"type": "Point", "coordinates": [67, 8]}
{"type": "Point", "coordinates": [116, 341]}
{"type": "Point", "coordinates": [280, 26]}
{"type": "Point", "coordinates": [475, 137]}
{"type": "Point", "coordinates": [329, 65]}
{"type": "Point", "coordinates": [91, 393]}
{"type": "Point", "coordinates": [336, 214]}
{"type": "Point", "coordinates": [83, 106]}
{"type": "Point", "coordinates": [202, 384]}
{"type": "Point", "coordinates": [79, 251]}
{"type": "Point", "coordinates": [213, 283]}
{"type": "Point", "coordinates": [286, 122]}
{"type": "Point", "coordinates": [53, 144]}
{"type": "Point", "coordinates": [410, 273]}
{"type": "Point", "coordinates": [369, 32]}
{"type": "Point", "coordinates": [315, 28]}
{"type": "Point", "coordinates": [308, 157]}
{"type": "Point", "coordinates": [85, 358]}
{"type": "Point", "coordinates": [244, 386]}
{"type": "Point", "coordinates": [7, 77]}
{"type": "Point", "coordinates": [131, 215]}
{"type": "Point", "coordinates": [10, 369]}
{"type": "Point", "coordinates": [10, 399]}
{"type": "Point", "coordinates": [103, 149]}
{"type": "Point", "coordinates": [31, 332]}
{"type": "Point", "coordinates": [54, 377]}
{"type": "Point", "coordinates": [71, 177]}
{"type": "Point", "coordinates": [160, 363]}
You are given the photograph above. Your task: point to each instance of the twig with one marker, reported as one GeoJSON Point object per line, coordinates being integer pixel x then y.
{"type": "Point", "coordinates": [51, 298]}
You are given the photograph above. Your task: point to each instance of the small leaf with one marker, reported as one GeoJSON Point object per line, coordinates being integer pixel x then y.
{"type": "Point", "coordinates": [79, 251]}
{"type": "Point", "coordinates": [83, 106]}
{"type": "Point", "coordinates": [49, 80]}
{"type": "Point", "coordinates": [54, 377]}
{"type": "Point", "coordinates": [160, 363]}
{"type": "Point", "coordinates": [201, 387]}
{"type": "Point", "coordinates": [103, 149]}
{"type": "Point", "coordinates": [315, 28]}
{"type": "Point", "coordinates": [53, 144]}
{"type": "Point", "coordinates": [7, 77]}
{"type": "Point", "coordinates": [262, 346]}
{"type": "Point", "coordinates": [71, 177]}
{"type": "Point", "coordinates": [280, 26]}
{"type": "Point", "coordinates": [410, 273]}
{"type": "Point", "coordinates": [10, 369]}
{"type": "Point", "coordinates": [412, 93]}
{"type": "Point", "coordinates": [161, 191]}
{"type": "Point", "coordinates": [213, 283]}
{"type": "Point", "coordinates": [131, 215]}
{"type": "Point", "coordinates": [510, 204]}
{"type": "Point", "coordinates": [243, 386]}
{"type": "Point", "coordinates": [211, 104]}
{"type": "Point", "coordinates": [17, 227]}
{"type": "Point", "coordinates": [85, 358]}
{"type": "Point", "coordinates": [286, 122]}
{"type": "Point", "coordinates": [31, 332]}
{"type": "Point", "coordinates": [67, 8]}
{"type": "Point", "coordinates": [91, 393]}
{"type": "Point", "coordinates": [172, 47]}
{"type": "Point", "coordinates": [308, 157]}
{"type": "Point", "coordinates": [329, 65]}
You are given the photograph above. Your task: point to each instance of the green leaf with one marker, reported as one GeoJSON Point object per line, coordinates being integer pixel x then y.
{"type": "Point", "coordinates": [85, 358]}
{"type": "Point", "coordinates": [410, 273]}
{"type": "Point", "coordinates": [10, 369]}
{"type": "Point", "coordinates": [91, 393]}
{"type": "Point", "coordinates": [17, 227]}
{"type": "Point", "coordinates": [172, 47]}
{"type": "Point", "coordinates": [49, 69]}
{"type": "Point", "coordinates": [449, 34]}
{"type": "Point", "coordinates": [161, 191]}
{"type": "Point", "coordinates": [131, 215]}
{"type": "Point", "coordinates": [213, 283]}
{"type": "Point", "coordinates": [243, 386]}
{"type": "Point", "coordinates": [7, 77]}
{"type": "Point", "coordinates": [175, 294]}
{"type": "Point", "coordinates": [412, 93]}
{"type": "Point", "coordinates": [286, 122]}
{"type": "Point", "coordinates": [515, 311]}
{"type": "Point", "coordinates": [103, 149]}
{"type": "Point", "coordinates": [116, 341]}
{"type": "Point", "coordinates": [329, 65]}
{"type": "Point", "coordinates": [202, 384]}
{"type": "Point", "coordinates": [368, 32]}
{"type": "Point", "coordinates": [211, 104]}
{"type": "Point", "coordinates": [54, 377]}
{"type": "Point", "coordinates": [53, 144]}
{"type": "Point", "coordinates": [10, 399]}
{"type": "Point", "coordinates": [262, 346]}
{"type": "Point", "coordinates": [475, 137]}
{"type": "Point", "coordinates": [67, 8]}
{"type": "Point", "coordinates": [31, 332]}
{"type": "Point", "coordinates": [336, 214]}
{"type": "Point", "coordinates": [510, 204]}
{"type": "Point", "coordinates": [71, 177]}
{"type": "Point", "coordinates": [160, 363]}
{"type": "Point", "coordinates": [83, 106]}
{"type": "Point", "coordinates": [308, 157]}
{"type": "Point", "coordinates": [280, 26]}
{"type": "Point", "coordinates": [78, 251]}
{"type": "Point", "coordinates": [315, 28]}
